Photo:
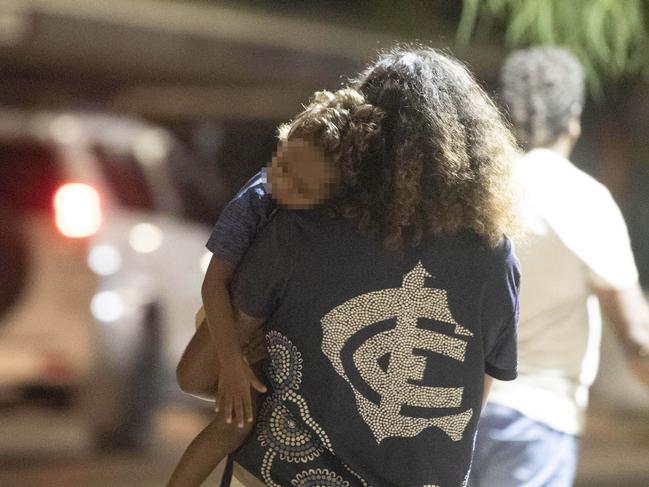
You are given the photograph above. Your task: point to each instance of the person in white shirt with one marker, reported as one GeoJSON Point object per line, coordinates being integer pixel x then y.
{"type": "Point", "coordinates": [575, 260]}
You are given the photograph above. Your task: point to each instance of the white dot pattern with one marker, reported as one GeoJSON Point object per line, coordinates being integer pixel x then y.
{"type": "Point", "coordinates": [318, 478]}
{"type": "Point", "coordinates": [406, 305]}
{"type": "Point", "coordinates": [295, 441]}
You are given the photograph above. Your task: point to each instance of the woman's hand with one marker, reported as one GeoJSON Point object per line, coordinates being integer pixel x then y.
{"type": "Point", "coordinates": [233, 397]}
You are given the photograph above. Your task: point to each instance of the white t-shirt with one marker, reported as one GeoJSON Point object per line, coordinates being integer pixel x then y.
{"type": "Point", "coordinates": [577, 239]}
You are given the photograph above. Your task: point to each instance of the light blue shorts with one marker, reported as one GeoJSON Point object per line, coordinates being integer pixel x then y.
{"type": "Point", "coordinates": [513, 450]}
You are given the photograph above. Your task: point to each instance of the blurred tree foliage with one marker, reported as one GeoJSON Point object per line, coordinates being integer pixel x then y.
{"type": "Point", "coordinates": [610, 37]}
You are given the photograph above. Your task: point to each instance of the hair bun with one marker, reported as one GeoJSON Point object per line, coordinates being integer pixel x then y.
{"type": "Point", "coordinates": [345, 98]}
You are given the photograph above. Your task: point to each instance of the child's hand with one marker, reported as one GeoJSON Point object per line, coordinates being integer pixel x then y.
{"type": "Point", "coordinates": [233, 397]}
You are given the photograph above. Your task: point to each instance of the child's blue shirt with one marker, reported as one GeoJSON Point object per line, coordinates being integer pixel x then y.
{"type": "Point", "coordinates": [241, 220]}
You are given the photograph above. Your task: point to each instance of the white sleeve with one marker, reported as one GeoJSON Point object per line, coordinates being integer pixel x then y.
{"type": "Point", "coordinates": [584, 216]}
{"type": "Point", "coordinates": [607, 251]}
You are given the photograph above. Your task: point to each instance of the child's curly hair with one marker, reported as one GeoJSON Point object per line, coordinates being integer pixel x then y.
{"type": "Point", "coordinates": [341, 123]}
{"type": "Point", "coordinates": [420, 147]}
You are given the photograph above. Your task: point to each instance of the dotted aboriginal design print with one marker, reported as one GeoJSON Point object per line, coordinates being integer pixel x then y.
{"type": "Point", "coordinates": [394, 383]}
{"type": "Point", "coordinates": [285, 367]}
{"type": "Point", "coordinates": [319, 478]}
{"type": "Point", "coordinates": [284, 437]}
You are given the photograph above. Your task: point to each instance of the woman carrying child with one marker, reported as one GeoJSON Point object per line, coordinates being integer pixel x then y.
{"type": "Point", "coordinates": [386, 307]}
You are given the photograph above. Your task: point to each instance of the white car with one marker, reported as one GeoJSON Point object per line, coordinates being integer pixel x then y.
{"type": "Point", "coordinates": [101, 271]}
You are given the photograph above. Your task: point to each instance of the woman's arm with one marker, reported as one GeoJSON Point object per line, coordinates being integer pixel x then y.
{"type": "Point", "coordinates": [488, 380]}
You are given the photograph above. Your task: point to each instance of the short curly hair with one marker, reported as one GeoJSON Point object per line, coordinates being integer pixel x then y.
{"type": "Point", "coordinates": [543, 88]}
{"type": "Point", "coordinates": [330, 118]}
{"type": "Point", "coordinates": [420, 147]}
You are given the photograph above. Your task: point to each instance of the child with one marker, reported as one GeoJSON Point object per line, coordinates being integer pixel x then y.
{"type": "Point", "coordinates": [300, 176]}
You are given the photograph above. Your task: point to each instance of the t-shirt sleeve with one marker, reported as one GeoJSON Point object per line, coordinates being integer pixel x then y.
{"type": "Point", "coordinates": [240, 221]}
{"type": "Point", "coordinates": [607, 254]}
{"type": "Point", "coordinates": [263, 273]}
{"type": "Point", "coordinates": [591, 225]}
{"type": "Point", "coordinates": [500, 317]}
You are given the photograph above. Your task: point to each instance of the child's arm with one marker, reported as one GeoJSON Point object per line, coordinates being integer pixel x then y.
{"type": "Point", "coordinates": [235, 377]}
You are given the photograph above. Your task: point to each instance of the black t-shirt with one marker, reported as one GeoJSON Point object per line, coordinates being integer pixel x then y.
{"type": "Point", "coordinates": [377, 359]}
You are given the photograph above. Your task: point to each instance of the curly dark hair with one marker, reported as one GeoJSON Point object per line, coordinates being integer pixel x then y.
{"type": "Point", "coordinates": [420, 148]}
{"type": "Point", "coordinates": [440, 160]}
{"type": "Point", "coordinates": [543, 88]}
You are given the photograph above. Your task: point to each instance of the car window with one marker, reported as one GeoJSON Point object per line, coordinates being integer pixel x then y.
{"type": "Point", "coordinates": [219, 158]}
{"type": "Point", "coordinates": [126, 179]}
{"type": "Point", "coordinates": [29, 176]}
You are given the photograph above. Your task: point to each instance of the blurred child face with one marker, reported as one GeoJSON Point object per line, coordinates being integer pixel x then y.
{"type": "Point", "coordinates": [299, 176]}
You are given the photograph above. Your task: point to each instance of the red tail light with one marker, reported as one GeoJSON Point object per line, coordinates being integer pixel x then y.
{"type": "Point", "coordinates": [56, 367]}
{"type": "Point", "coordinates": [77, 210]}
